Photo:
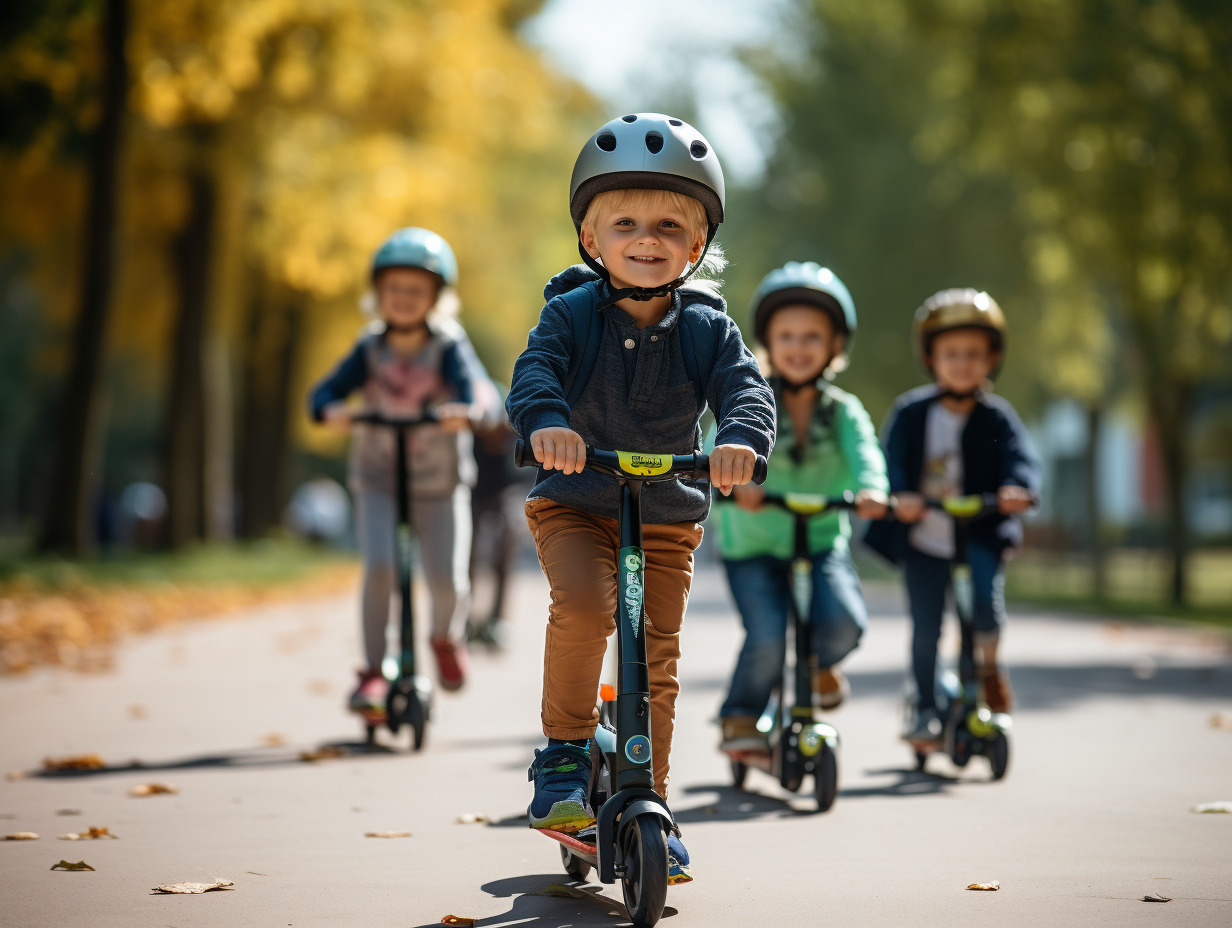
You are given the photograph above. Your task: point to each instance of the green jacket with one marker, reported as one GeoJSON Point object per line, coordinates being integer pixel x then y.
{"type": "Point", "coordinates": [841, 452]}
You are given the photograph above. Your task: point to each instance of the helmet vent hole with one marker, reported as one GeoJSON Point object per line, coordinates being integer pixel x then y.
{"type": "Point", "coordinates": [654, 142]}
{"type": "Point", "coordinates": [675, 122]}
{"type": "Point", "coordinates": [698, 149]}
{"type": "Point", "coordinates": [606, 141]}
{"type": "Point", "coordinates": [629, 118]}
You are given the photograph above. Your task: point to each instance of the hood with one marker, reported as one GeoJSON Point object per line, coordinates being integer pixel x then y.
{"type": "Point", "coordinates": [578, 275]}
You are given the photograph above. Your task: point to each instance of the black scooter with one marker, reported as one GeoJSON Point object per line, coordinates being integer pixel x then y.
{"type": "Point", "coordinates": [799, 743]}
{"type": "Point", "coordinates": [409, 701]}
{"type": "Point", "coordinates": [970, 727]}
{"type": "Point", "coordinates": [633, 821]}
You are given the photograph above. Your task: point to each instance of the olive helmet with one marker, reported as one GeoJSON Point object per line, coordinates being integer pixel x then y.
{"type": "Point", "coordinates": [959, 308]}
{"type": "Point", "coordinates": [421, 248]}
{"type": "Point", "coordinates": [804, 282]}
{"type": "Point", "coordinates": [648, 151]}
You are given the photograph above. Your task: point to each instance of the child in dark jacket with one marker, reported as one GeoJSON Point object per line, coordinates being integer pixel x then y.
{"type": "Point", "coordinates": [646, 198]}
{"type": "Point", "coordinates": [953, 438]}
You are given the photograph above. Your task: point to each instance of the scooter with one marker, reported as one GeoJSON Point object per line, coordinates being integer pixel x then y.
{"type": "Point", "coordinates": [970, 727]}
{"type": "Point", "coordinates": [409, 700]}
{"type": "Point", "coordinates": [799, 744]}
{"type": "Point", "coordinates": [632, 820]}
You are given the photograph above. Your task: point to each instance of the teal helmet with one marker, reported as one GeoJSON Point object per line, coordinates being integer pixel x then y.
{"type": "Point", "coordinates": [649, 151]}
{"type": "Point", "coordinates": [421, 248]}
{"type": "Point", "coordinates": [804, 282]}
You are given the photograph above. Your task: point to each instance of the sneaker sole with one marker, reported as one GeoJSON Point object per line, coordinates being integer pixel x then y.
{"type": "Point", "coordinates": [675, 879]}
{"type": "Point", "coordinates": [565, 817]}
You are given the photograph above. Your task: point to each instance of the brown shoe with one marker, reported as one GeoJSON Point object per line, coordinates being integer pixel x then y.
{"type": "Point", "coordinates": [830, 687]}
{"type": "Point", "coordinates": [997, 692]}
{"type": "Point", "coordinates": [740, 734]}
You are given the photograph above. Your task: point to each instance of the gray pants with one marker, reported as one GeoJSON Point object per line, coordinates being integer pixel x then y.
{"type": "Point", "coordinates": [443, 529]}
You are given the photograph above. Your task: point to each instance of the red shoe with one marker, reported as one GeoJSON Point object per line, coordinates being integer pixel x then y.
{"type": "Point", "coordinates": [370, 693]}
{"type": "Point", "coordinates": [453, 663]}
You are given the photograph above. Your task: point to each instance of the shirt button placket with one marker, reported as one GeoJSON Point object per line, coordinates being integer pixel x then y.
{"type": "Point", "coordinates": [630, 343]}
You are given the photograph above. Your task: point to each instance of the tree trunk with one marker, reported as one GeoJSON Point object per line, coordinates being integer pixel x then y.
{"type": "Point", "coordinates": [273, 339]}
{"type": "Point", "coordinates": [69, 526]}
{"type": "Point", "coordinates": [184, 452]}
{"type": "Point", "coordinates": [1099, 558]}
{"type": "Point", "coordinates": [1173, 405]}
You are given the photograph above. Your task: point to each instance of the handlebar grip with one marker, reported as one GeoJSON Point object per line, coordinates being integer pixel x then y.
{"type": "Point", "coordinates": [523, 456]}
{"type": "Point", "coordinates": [761, 467]}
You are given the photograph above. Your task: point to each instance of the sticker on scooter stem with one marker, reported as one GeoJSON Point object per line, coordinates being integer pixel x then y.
{"type": "Point", "coordinates": [637, 749]}
{"type": "Point", "coordinates": [631, 584]}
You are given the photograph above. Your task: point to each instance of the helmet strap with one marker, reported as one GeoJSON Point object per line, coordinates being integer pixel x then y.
{"type": "Point", "coordinates": [955, 395]}
{"type": "Point", "coordinates": [406, 329]}
{"type": "Point", "coordinates": [786, 386]}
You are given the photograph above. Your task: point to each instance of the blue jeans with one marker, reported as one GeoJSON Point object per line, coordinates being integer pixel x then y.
{"type": "Point", "coordinates": [761, 587]}
{"type": "Point", "coordinates": [928, 580]}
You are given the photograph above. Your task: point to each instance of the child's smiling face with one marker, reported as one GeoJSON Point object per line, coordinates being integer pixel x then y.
{"type": "Point", "coordinates": [645, 238]}
{"type": "Point", "coordinates": [962, 359]}
{"type": "Point", "coordinates": [801, 341]}
{"type": "Point", "coordinates": [405, 295]}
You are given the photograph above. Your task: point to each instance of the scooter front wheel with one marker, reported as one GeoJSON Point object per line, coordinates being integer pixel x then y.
{"type": "Point", "coordinates": [825, 778]}
{"type": "Point", "coordinates": [999, 755]}
{"type": "Point", "coordinates": [644, 881]}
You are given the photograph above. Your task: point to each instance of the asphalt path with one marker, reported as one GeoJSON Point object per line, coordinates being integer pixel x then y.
{"type": "Point", "coordinates": [1116, 738]}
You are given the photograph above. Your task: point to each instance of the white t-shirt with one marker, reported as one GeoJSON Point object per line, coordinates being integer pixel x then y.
{"type": "Point", "coordinates": [942, 476]}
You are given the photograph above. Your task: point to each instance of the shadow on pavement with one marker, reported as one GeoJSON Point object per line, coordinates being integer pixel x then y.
{"type": "Point", "coordinates": [909, 782]}
{"type": "Point", "coordinates": [554, 901]}
{"type": "Point", "coordinates": [736, 805]}
{"type": "Point", "coordinates": [241, 759]}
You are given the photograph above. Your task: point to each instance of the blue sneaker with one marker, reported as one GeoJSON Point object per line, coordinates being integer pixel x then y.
{"type": "Point", "coordinates": [677, 860]}
{"type": "Point", "coordinates": [561, 773]}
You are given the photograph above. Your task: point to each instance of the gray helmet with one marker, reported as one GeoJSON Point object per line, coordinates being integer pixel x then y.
{"type": "Point", "coordinates": [804, 282]}
{"type": "Point", "coordinates": [421, 248]}
{"type": "Point", "coordinates": [648, 151]}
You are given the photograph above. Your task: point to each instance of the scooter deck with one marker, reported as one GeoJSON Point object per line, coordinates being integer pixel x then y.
{"type": "Point", "coordinates": [586, 851]}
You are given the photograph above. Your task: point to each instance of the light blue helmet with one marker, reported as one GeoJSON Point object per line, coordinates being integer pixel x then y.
{"type": "Point", "coordinates": [421, 248]}
{"type": "Point", "coordinates": [804, 282]}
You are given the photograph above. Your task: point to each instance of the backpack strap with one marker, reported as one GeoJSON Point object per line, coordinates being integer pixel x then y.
{"type": "Point", "coordinates": [698, 351]}
{"type": "Point", "coordinates": [587, 333]}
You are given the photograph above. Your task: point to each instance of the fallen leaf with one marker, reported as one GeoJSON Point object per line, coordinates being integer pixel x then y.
{"type": "Point", "coordinates": [1222, 720]}
{"type": "Point", "coordinates": [192, 887]}
{"type": "Point", "coordinates": [138, 711]}
{"type": "Point", "coordinates": [93, 833]}
{"type": "Point", "coordinates": [68, 811]}
{"type": "Point", "coordinates": [561, 891]}
{"type": "Point", "coordinates": [457, 920]}
{"type": "Point", "coordinates": [991, 886]}
{"type": "Point", "coordinates": [319, 687]}
{"type": "Point", "coordinates": [387, 834]}
{"type": "Point", "coordinates": [1156, 898]}
{"type": "Point", "coordinates": [152, 789]}
{"type": "Point", "coordinates": [471, 818]}
{"type": "Point", "coordinates": [21, 836]}
{"type": "Point", "coordinates": [273, 740]}
{"type": "Point", "coordinates": [1223, 806]}
{"type": "Point", "coordinates": [65, 865]}
{"type": "Point", "coordinates": [14, 775]}
{"type": "Point", "coordinates": [254, 873]}
{"type": "Point", "coordinates": [329, 752]}
{"type": "Point", "coordinates": [77, 762]}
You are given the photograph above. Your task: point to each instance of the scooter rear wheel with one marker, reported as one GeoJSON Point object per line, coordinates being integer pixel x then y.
{"type": "Point", "coordinates": [645, 870]}
{"type": "Point", "coordinates": [825, 778]}
{"type": "Point", "coordinates": [574, 866]}
{"type": "Point", "coordinates": [739, 770]}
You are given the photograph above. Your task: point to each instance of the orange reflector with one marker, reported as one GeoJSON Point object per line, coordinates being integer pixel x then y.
{"type": "Point", "coordinates": [607, 692]}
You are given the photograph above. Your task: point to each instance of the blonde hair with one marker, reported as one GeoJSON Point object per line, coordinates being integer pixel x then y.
{"type": "Point", "coordinates": [610, 201]}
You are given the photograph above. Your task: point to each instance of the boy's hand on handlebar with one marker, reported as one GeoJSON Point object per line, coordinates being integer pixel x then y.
{"type": "Point", "coordinates": [337, 416]}
{"type": "Point", "coordinates": [749, 497]}
{"type": "Point", "coordinates": [871, 504]}
{"type": "Point", "coordinates": [559, 449]}
{"type": "Point", "coordinates": [1012, 500]}
{"type": "Point", "coordinates": [908, 507]}
{"type": "Point", "coordinates": [731, 465]}
{"type": "Point", "coordinates": [454, 417]}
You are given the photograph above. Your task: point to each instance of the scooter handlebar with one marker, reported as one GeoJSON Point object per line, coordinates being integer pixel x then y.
{"type": "Point", "coordinates": [396, 422]}
{"type": "Point", "coordinates": [696, 466]}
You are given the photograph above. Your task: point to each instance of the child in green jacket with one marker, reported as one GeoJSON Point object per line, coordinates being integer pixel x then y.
{"type": "Point", "coordinates": [805, 319]}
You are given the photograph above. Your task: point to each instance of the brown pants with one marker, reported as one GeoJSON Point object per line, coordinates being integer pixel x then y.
{"type": "Point", "coordinates": [577, 551]}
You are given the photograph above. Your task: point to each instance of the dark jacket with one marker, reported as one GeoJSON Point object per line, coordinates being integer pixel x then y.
{"type": "Point", "coordinates": [996, 452]}
{"type": "Point", "coordinates": [639, 396]}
